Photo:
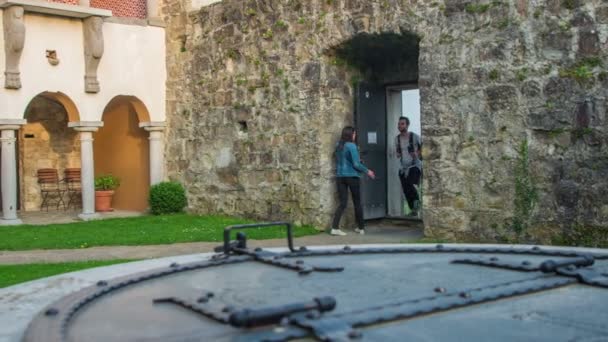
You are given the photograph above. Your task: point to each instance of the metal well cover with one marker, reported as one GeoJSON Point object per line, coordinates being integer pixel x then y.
{"type": "Point", "coordinates": [409, 292]}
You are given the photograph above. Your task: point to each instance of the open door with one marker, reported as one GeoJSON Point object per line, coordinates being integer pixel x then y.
{"type": "Point", "coordinates": [370, 121]}
{"type": "Point", "coordinates": [394, 110]}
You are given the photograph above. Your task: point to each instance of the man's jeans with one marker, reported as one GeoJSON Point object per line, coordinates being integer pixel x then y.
{"type": "Point", "coordinates": [407, 184]}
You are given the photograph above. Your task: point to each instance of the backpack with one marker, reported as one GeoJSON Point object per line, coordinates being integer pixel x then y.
{"type": "Point", "coordinates": [410, 149]}
{"type": "Point", "coordinates": [410, 145]}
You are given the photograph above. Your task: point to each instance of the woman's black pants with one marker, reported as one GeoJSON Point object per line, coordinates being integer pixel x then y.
{"type": "Point", "coordinates": [345, 183]}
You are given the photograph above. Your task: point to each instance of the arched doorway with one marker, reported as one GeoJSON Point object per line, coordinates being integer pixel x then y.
{"type": "Point", "coordinates": [121, 148]}
{"type": "Point", "coordinates": [44, 142]}
{"type": "Point", "coordinates": [384, 73]}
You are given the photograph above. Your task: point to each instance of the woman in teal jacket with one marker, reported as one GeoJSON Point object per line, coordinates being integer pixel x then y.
{"type": "Point", "coordinates": [348, 173]}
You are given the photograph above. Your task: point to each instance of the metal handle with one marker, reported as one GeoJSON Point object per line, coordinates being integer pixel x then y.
{"type": "Point", "coordinates": [552, 265]}
{"type": "Point", "coordinates": [257, 225]}
{"type": "Point", "coordinates": [271, 315]}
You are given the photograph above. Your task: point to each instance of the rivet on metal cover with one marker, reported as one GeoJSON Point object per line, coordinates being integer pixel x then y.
{"type": "Point", "coordinates": [355, 334]}
{"type": "Point", "coordinates": [51, 312]}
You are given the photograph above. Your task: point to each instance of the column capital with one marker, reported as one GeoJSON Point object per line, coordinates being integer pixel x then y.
{"type": "Point", "coordinates": [153, 126]}
{"type": "Point", "coordinates": [11, 124]}
{"type": "Point", "coordinates": [86, 126]}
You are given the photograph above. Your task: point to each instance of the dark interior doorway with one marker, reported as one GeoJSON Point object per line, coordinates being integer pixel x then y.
{"type": "Point", "coordinates": [387, 68]}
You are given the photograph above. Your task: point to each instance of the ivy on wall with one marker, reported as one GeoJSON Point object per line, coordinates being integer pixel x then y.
{"type": "Point", "coordinates": [379, 56]}
{"type": "Point", "coordinates": [526, 194]}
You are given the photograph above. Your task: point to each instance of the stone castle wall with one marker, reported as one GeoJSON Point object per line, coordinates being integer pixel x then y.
{"type": "Point", "coordinates": [513, 105]}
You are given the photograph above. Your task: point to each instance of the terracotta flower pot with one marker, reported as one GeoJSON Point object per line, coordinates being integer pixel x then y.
{"type": "Point", "coordinates": [103, 200]}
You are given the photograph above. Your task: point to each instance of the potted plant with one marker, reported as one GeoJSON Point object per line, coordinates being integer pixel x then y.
{"type": "Point", "coordinates": [104, 190]}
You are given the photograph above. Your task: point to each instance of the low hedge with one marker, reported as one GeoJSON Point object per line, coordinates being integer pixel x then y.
{"type": "Point", "coordinates": [167, 198]}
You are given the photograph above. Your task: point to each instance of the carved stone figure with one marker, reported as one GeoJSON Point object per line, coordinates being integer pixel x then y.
{"type": "Point", "coordinates": [14, 39]}
{"type": "Point", "coordinates": [93, 51]}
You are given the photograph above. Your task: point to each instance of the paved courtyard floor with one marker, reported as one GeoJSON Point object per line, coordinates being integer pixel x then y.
{"type": "Point", "coordinates": [68, 216]}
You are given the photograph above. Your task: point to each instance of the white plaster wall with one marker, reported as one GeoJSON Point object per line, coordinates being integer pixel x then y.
{"type": "Point", "coordinates": [133, 64]}
{"type": "Point", "coordinates": [2, 56]}
{"type": "Point", "coordinates": [196, 4]}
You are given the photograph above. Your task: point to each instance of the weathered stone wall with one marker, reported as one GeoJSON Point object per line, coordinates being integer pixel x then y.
{"type": "Point", "coordinates": [45, 141]}
{"type": "Point", "coordinates": [255, 105]}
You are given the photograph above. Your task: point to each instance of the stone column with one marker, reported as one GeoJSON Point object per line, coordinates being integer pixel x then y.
{"type": "Point", "coordinates": [87, 167]}
{"type": "Point", "coordinates": [157, 150]}
{"type": "Point", "coordinates": [9, 175]}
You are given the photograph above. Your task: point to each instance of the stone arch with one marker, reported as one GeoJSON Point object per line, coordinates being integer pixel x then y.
{"type": "Point", "coordinates": [46, 141]}
{"type": "Point", "coordinates": [121, 148]}
{"type": "Point", "coordinates": [383, 67]}
{"type": "Point", "coordinates": [67, 103]}
{"type": "Point", "coordinates": [140, 108]}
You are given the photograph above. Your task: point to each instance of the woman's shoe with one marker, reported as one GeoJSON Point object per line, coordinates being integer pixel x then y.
{"type": "Point", "coordinates": [360, 231]}
{"type": "Point", "coordinates": [337, 232]}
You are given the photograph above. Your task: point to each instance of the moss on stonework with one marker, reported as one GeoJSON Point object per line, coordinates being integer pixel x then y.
{"type": "Point", "coordinates": [376, 55]}
{"type": "Point", "coordinates": [583, 236]}
{"type": "Point", "coordinates": [569, 4]}
{"type": "Point", "coordinates": [522, 74]}
{"type": "Point", "coordinates": [582, 132]}
{"type": "Point", "coordinates": [583, 71]}
{"type": "Point", "coordinates": [556, 132]}
{"type": "Point", "coordinates": [477, 8]}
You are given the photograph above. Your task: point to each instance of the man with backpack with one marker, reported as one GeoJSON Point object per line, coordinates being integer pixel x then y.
{"type": "Point", "coordinates": [409, 147]}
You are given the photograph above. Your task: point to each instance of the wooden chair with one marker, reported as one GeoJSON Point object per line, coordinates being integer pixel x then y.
{"type": "Point", "coordinates": [74, 187]}
{"type": "Point", "coordinates": [50, 188]}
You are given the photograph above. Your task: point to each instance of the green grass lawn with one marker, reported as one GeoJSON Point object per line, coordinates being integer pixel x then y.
{"type": "Point", "coordinates": [144, 230]}
{"type": "Point", "coordinates": [15, 274]}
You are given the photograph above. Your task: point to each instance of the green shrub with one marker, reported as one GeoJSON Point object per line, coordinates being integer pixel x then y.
{"type": "Point", "coordinates": [167, 197]}
{"type": "Point", "coordinates": [106, 182]}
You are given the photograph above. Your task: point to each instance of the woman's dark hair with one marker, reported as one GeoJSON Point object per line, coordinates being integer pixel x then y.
{"type": "Point", "coordinates": [347, 136]}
